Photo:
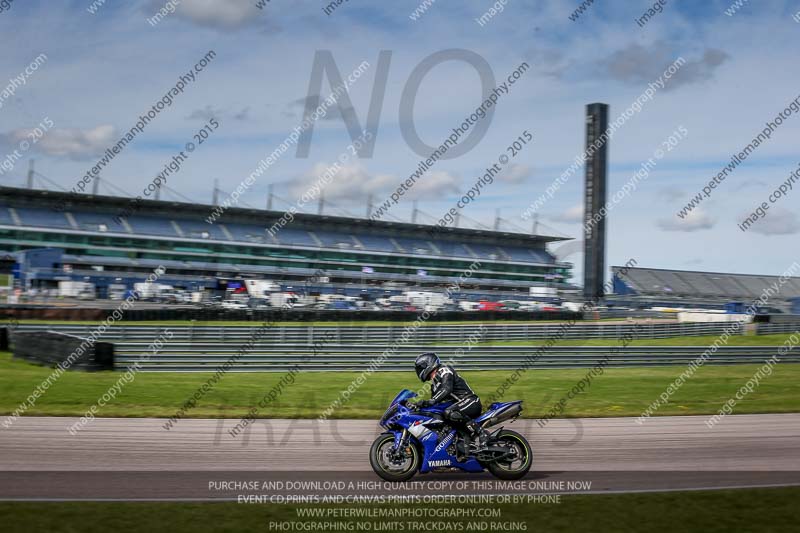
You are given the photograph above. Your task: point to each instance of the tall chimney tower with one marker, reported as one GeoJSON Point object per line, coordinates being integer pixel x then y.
{"type": "Point", "coordinates": [594, 227]}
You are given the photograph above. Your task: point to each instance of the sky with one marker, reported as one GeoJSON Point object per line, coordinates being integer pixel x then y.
{"type": "Point", "coordinates": [105, 65]}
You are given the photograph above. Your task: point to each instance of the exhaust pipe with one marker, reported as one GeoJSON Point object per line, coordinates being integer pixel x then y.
{"type": "Point", "coordinates": [511, 412]}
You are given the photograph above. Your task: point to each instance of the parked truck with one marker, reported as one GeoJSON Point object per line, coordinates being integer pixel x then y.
{"type": "Point", "coordinates": [261, 288]}
{"type": "Point", "coordinates": [153, 291]}
{"type": "Point", "coordinates": [544, 292]}
{"type": "Point", "coordinates": [427, 300]}
{"type": "Point", "coordinates": [76, 289]}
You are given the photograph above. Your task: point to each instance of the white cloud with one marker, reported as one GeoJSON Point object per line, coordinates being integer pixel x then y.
{"type": "Point", "coordinates": [229, 14]}
{"type": "Point", "coordinates": [352, 184]}
{"type": "Point", "coordinates": [572, 215]}
{"type": "Point", "coordinates": [695, 221]}
{"type": "Point", "coordinates": [568, 249]}
{"type": "Point", "coordinates": [515, 173]}
{"type": "Point", "coordinates": [777, 222]}
{"type": "Point", "coordinates": [70, 142]}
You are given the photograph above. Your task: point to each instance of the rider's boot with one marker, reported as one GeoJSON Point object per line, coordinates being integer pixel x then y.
{"type": "Point", "coordinates": [479, 437]}
{"type": "Point", "coordinates": [462, 446]}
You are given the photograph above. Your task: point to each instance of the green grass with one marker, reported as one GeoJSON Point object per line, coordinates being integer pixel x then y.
{"type": "Point", "coordinates": [744, 510]}
{"type": "Point", "coordinates": [618, 392]}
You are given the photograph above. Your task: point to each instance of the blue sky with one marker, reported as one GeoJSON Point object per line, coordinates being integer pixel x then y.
{"type": "Point", "coordinates": [104, 69]}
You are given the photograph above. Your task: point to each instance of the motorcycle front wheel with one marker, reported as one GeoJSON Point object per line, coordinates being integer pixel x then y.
{"type": "Point", "coordinates": [390, 467]}
{"type": "Point", "coordinates": [520, 460]}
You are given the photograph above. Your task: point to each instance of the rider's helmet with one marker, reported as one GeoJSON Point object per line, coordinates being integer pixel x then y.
{"type": "Point", "coordinates": [426, 364]}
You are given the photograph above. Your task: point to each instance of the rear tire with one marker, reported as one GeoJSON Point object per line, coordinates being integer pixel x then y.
{"type": "Point", "coordinates": [515, 468]}
{"type": "Point", "coordinates": [385, 468]}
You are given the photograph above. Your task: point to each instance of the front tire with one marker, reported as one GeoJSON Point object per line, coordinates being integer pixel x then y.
{"type": "Point", "coordinates": [391, 469]}
{"type": "Point", "coordinates": [518, 466]}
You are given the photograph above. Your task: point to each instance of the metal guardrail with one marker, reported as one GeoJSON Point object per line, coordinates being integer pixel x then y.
{"type": "Point", "coordinates": [354, 348]}
{"type": "Point", "coordinates": [385, 334]}
{"type": "Point", "coordinates": [766, 328]}
{"type": "Point", "coordinates": [207, 357]}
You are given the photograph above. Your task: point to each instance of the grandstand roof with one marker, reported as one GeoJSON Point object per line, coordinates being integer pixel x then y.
{"type": "Point", "coordinates": [694, 284]}
{"type": "Point", "coordinates": [114, 204]}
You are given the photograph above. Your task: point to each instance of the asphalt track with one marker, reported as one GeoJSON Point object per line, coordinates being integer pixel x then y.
{"type": "Point", "coordinates": [137, 459]}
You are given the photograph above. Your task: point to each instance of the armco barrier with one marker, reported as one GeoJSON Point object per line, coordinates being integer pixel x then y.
{"type": "Point", "coordinates": [383, 335]}
{"type": "Point", "coordinates": [207, 357]}
{"type": "Point", "coordinates": [258, 315]}
{"type": "Point", "coordinates": [51, 348]}
{"type": "Point", "coordinates": [203, 348]}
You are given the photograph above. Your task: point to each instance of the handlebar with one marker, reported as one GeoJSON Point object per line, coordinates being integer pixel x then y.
{"type": "Point", "coordinates": [411, 406]}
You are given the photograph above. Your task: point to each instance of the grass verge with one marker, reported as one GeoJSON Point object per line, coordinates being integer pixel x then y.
{"type": "Point", "coordinates": [617, 392]}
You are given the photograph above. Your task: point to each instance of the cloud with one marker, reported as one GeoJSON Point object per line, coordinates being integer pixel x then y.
{"type": "Point", "coordinates": [748, 183]}
{"type": "Point", "coordinates": [244, 114]}
{"type": "Point", "coordinates": [567, 250]}
{"type": "Point", "coordinates": [572, 215]}
{"type": "Point", "coordinates": [70, 142]}
{"type": "Point", "coordinates": [695, 221]}
{"type": "Point", "coordinates": [352, 184]}
{"type": "Point", "coordinates": [670, 194]}
{"type": "Point", "coordinates": [435, 184]}
{"type": "Point", "coordinates": [206, 113]}
{"type": "Point", "coordinates": [638, 64]}
{"type": "Point", "coordinates": [296, 108]}
{"type": "Point", "coordinates": [515, 173]}
{"type": "Point", "coordinates": [550, 62]}
{"type": "Point", "coordinates": [777, 222]}
{"type": "Point", "coordinates": [209, 112]}
{"type": "Point", "coordinates": [227, 15]}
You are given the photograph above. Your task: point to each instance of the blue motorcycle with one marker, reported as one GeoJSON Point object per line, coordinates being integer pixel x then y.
{"type": "Point", "coordinates": [421, 440]}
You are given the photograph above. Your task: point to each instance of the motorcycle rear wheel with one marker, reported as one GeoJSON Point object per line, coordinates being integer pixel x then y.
{"type": "Point", "coordinates": [382, 464]}
{"type": "Point", "coordinates": [515, 468]}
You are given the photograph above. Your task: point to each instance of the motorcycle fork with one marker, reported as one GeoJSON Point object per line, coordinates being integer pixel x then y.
{"type": "Point", "coordinates": [400, 442]}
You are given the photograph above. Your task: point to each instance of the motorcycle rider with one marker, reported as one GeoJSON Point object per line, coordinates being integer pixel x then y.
{"type": "Point", "coordinates": [447, 385]}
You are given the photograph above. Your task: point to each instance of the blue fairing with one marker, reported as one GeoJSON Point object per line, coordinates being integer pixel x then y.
{"type": "Point", "coordinates": [403, 395]}
{"type": "Point", "coordinates": [424, 426]}
{"type": "Point", "coordinates": [496, 408]}
{"type": "Point", "coordinates": [420, 425]}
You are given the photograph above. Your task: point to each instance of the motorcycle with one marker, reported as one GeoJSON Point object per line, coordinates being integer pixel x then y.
{"type": "Point", "coordinates": [420, 440]}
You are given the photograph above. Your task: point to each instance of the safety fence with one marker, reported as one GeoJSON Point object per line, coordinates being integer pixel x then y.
{"type": "Point", "coordinates": [371, 334]}
{"type": "Point", "coordinates": [345, 348]}
{"type": "Point", "coordinates": [206, 357]}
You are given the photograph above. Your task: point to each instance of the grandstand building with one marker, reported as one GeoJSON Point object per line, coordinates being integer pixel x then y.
{"type": "Point", "coordinates": [81, 237]}
{"type": "Point", "coordinates": [688, 287]}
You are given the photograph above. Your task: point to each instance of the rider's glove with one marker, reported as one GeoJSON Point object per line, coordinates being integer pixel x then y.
{"type": "Point", "coordinates": [424, 403]}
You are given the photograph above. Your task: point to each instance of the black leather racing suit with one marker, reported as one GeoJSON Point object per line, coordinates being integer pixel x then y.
{"type": "Point", "coordinates": [447, 385]}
